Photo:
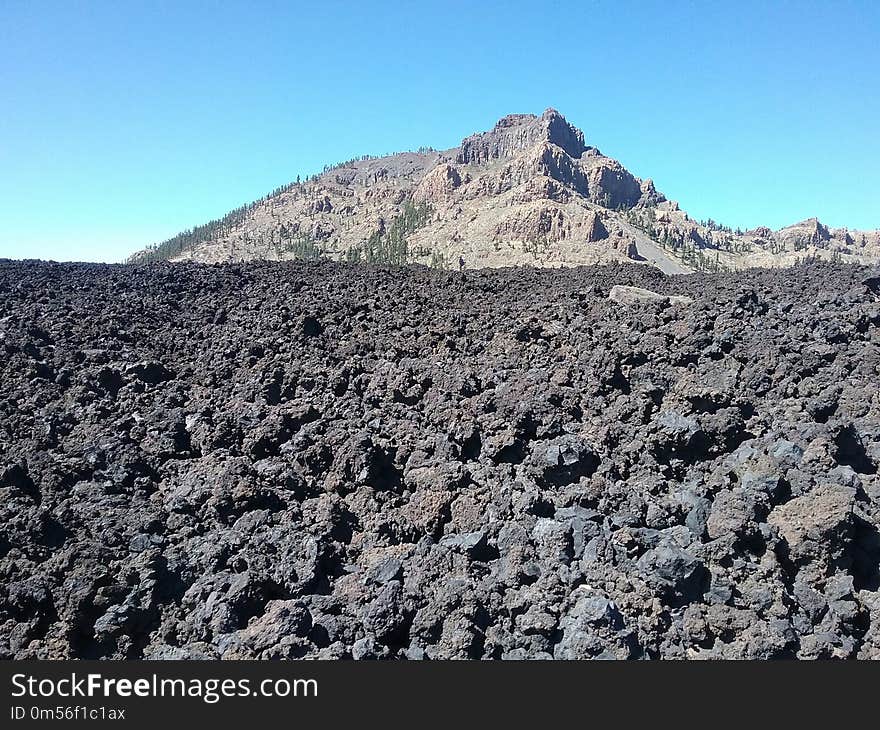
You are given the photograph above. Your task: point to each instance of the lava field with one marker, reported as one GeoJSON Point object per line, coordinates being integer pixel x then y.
{"type": "Point", "coordinates": [322, 460]}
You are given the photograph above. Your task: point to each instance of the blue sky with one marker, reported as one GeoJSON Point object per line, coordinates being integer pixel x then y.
{"type": "Point", "coordinates": [122, 123]}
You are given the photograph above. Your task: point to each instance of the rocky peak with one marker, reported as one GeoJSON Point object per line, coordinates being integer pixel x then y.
{"type": "Point", "coordinates": [517, 133]}
{"type": "Point", "coordinates": [559, 132]}
{"type": "Point", "coordinates": [809, 232]}
{"type": "Point", "coordinates": [513, 120]}
{"type": "Point", "coordinates": [528, 190]}
{"type": "Point", "coordinates": [811, 226]}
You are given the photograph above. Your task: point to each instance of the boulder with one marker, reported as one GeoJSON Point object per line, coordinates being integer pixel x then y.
{"type": "Point", "coordinates": [633, 295]}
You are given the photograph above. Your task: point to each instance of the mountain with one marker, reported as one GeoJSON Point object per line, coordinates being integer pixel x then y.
{"type": "Point", "coordinates": [529, 191]}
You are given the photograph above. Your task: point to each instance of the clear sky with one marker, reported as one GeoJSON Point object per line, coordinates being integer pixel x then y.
{"type": "Point", "coordinates": [122, 123]}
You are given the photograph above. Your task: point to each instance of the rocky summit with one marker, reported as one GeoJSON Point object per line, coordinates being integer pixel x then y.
{"type": "Point", "coordinates": [532, 190]}
{"type": "Point", "coordinates": [324, 460]}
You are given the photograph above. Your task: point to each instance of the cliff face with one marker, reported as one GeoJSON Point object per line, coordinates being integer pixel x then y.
{"type": "Point", "coordinates": [528, 191]}
{"type": "Point", "coordinates": [517, 133]}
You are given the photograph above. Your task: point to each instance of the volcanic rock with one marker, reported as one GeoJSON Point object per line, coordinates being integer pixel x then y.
{"type": "Point", "coordinates": [365, 462]}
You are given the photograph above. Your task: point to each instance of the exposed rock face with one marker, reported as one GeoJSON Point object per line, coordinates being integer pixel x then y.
{"type": "Point", "coordinates": [547, 159]}
{"type": "Point", "coordinates": [548, 223]}
{"type": "Point", "coordinates": [650, 194]}
{"type": "Point", "coordinates": [626, 247]}
{"type": "Point", "coordinates": [325, 460]}
{"type": "Point", "coordinates": [611, 186]}
{"type": "Point", "coordinates": [438, 185]}
{"type": "Point", "coordinates": [806, 233]}
{"type": "Point", "coordinates": [517, 133]}
{"type": "Point", "coordinates": [473, 195]}
{"type": "Point", "coordinates": [533, 224]}
{"type": "Point", "coordinates": [595, 230]}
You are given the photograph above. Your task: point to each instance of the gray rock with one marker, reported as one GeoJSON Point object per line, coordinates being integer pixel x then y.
{"type": "Point", "coordinates": [629, 295]}
{"type": "Point", "coordinates": [386, 570]}
{"type": "Point", "coordinates": [466, 542]}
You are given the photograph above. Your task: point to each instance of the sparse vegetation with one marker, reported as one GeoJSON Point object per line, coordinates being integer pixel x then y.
{"type": "Point", "coordinates": [536, 246]}
{"type": "Point", "coordinates": [223, 227]}
{"type": "Point", "coordinates": [390, 246]}
{"type": "Point", "coordinates": [354, 254]}
{"type": "Point", "coordinates": [303, 246]}
{"type": "Point", "coordinates": [691, 249]}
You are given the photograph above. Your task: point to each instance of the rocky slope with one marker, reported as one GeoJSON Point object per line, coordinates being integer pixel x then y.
{"type": "Point", "coordinates": [530, 191]}
{"type": "Point", "coordinates": [321, 460]}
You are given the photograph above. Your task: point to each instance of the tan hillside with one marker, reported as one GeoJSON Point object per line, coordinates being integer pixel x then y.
{"type": "Point", "coordinates": [529, 191]}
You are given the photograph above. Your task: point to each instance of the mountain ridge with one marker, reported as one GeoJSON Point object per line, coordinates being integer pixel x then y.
{"type": "Point", "coordinates": [529, 191]}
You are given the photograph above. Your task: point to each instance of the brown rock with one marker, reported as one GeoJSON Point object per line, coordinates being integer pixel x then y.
{"type": "Point", "coordinates": [438, 184]}
{"type": "Point", "coordinates": [807, 522]}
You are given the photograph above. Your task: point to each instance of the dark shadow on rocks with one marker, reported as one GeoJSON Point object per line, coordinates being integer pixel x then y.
{"type": "Point", "coordinates": [471, 447]}
{"type": "Point", "coordinates": [851, 452]}
{"type": "Point", "coordinates": [512, 453]}
{"type": "Point", "coordinates": [864, 551]}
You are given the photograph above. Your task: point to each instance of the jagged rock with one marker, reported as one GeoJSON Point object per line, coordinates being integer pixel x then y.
{"type": "Point", "coordinates": [469, 542]}
{"type": "Point", "coordinates": [594, 629]}
{"type": "Point", "coordinates": [542, 224]}
{"type": "Point", "coordinates": [438, 184]}
{"type": "Point", "coordinates": [518, 132]}
{"type": "Point", "coordinates": [801, 235]}
{"type": "Point", "coordinates": [384, 464]}
{"type": "Point", "coordinates": [670, 566]}
{"type": "Point", "coordinates": [387, 570]}
{"type": "Point", "coordinates": [277, 634]}
{"type": "Point", "coordinates": [609, 184]}
{"type": "Point", "coordinates": [816, 523]}
{"type": "Point", "coordinates": [564, 460]}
